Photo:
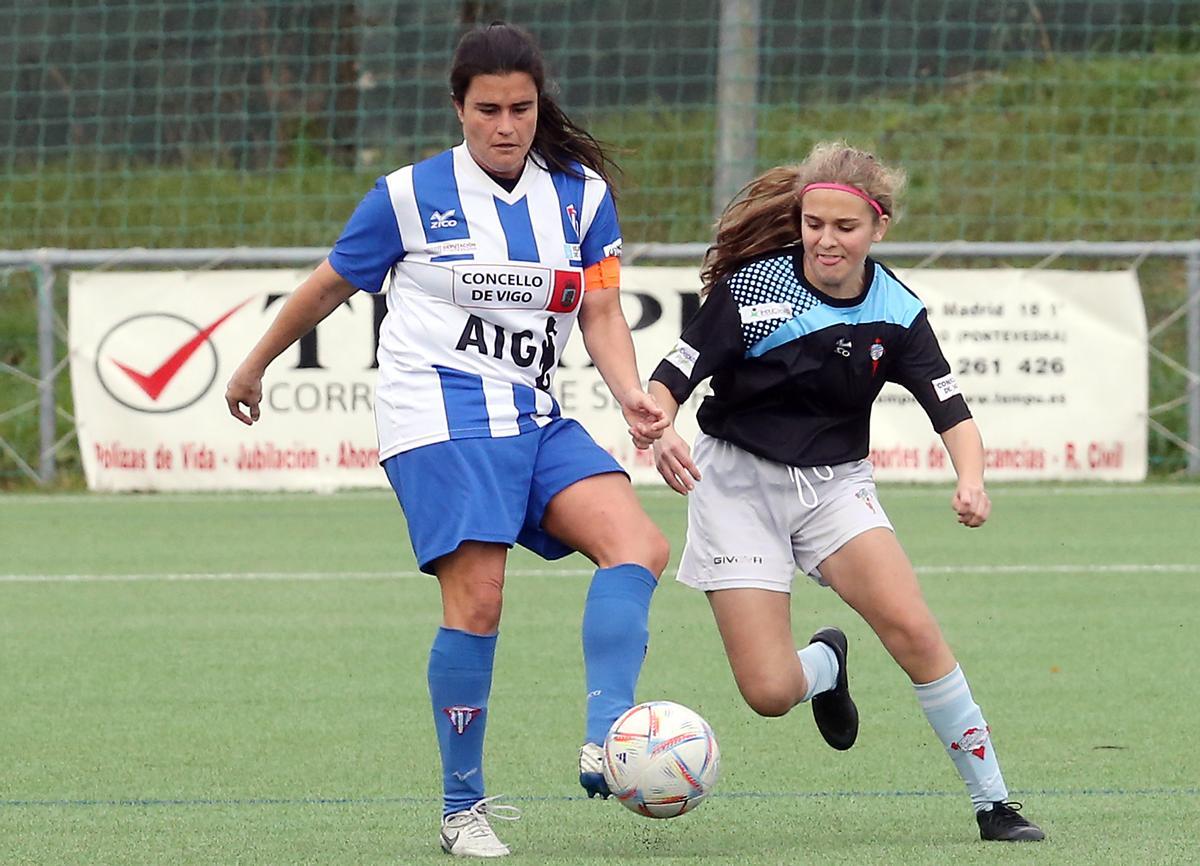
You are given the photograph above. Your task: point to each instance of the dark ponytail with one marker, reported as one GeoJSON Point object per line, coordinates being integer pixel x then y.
{"type": "Point", "coordinates": [500, 48]}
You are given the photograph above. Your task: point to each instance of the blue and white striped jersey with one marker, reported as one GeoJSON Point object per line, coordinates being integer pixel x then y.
{"type": "Point", "coordinates": [483, 289]}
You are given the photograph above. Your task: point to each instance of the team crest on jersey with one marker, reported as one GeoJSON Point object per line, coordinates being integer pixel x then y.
{"type": "Point", "coordinates": [876, 354]}
{"type": "Point", "coordinates": [461, 717]}
{"type": "Point", "coordinates": [443, 219]}
{"type": "Point", "coordinates": [973, 741]}
{"type": "Point", "coordinates": [567, 292]}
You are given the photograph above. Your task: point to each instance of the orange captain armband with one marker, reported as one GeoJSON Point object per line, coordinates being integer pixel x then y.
{"type": "Point", "coordinates": [605, 274]}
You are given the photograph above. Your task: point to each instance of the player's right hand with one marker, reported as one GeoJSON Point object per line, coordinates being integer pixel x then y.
{"type": "Point", "coordinates": [971, 503]}
{"type": "Point", "coordinates": [645, 417]}
{"type": "Point", "coordinates": [673, 459]}
{"type": "Point", "coordinates": [244, 389]}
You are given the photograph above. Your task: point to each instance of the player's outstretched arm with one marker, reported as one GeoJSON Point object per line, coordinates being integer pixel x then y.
{"type": "Point", "coordinates": [610, 346]}
{"type": "Point", "coordinates": [971, 502]}
{"type": "Point", "coordinates": [314, 299]}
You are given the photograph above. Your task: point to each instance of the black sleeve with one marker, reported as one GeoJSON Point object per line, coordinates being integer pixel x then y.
{"type": "Point", "coordinates": [924, 371]}
{"type": "Point", "coordinates": [710, 341]}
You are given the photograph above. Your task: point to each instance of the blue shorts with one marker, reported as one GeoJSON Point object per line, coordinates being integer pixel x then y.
{"type": "Point", "coordinates": [492, 489]}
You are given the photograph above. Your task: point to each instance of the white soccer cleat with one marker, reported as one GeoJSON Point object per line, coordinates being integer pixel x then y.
{"type": "Point", "coordinates": [468, 833]}
{"type": "Point", "coordinates": [591, 771]}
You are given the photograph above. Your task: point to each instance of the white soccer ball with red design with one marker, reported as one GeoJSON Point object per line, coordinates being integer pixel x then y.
{"type": "Point", "coordinates": [661, 759]}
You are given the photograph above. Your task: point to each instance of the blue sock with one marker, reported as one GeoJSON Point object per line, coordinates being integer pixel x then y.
{"type": "Point", "coordinates": [460, 680]}
{"type": "Point", "coordinates": [958, 722]}
{"type": "Point", "coordinates": [615, 636]}
{"type": "Point", "coordinates": [820, 668]}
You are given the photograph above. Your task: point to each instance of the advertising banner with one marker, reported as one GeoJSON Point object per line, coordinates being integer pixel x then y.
{"type": "Point", "coordinates": [1053, 365]}
{"type": "Point", "coordinates": [1055, 368]}
{"type": "Point", "coordinates": [151, 353]}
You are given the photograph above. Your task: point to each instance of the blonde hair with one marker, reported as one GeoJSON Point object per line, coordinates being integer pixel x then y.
{"type": "Point", "coordinates": [765, 214]}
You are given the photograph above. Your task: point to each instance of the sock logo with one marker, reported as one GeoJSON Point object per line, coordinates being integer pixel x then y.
{"type": "Point", "coordinates": [973, 741]}
{"type": "Point", "coordinates": [462, 777]}
{"type": "Point", "coordinates": [461, 717]}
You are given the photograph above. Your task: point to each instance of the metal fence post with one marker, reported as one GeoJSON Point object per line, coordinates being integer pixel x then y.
{"type": "Point", "coordinates": [47, 406]}
{"type": "Point", "coordinates": [737, 98]}
{"type": "Point", "coordinates": [1193, 355]}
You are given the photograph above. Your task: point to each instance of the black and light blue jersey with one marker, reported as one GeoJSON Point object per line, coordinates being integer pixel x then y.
{"type": "Point", "coordinates": [795, 371]}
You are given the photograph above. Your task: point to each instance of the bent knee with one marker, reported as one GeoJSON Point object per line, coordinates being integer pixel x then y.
{"type": "Point", "coordinates": [658, 552]}
{"type": "Point", "coordinates": [647, 547]}
{"type": "Point", "coordinates": [481, 621]}
{"type": "Point", "coordinates": [478, 613]}
{"type": "Point", "coordinates": [769, 699]}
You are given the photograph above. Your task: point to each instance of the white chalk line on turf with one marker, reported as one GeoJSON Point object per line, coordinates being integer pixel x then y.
{"type": "Point", "coordinates": [719, 795]}
{"type": "Point", "coordinates": [648, 491]}
{"type": "Point", "coordinates": [1112, 568]}
{"type": "Point", "coordinates": [265, 575]}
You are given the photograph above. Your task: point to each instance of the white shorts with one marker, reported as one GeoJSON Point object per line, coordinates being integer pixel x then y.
{"type": "Point", "coordinates": [753, 522]}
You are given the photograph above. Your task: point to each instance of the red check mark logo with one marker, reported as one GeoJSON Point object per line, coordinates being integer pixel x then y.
{"type": "Point", "coordinates": [154, 383]}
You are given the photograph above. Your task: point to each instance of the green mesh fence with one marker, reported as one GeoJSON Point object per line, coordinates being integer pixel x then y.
{"type": "Point", "coordinates": [214, 122]}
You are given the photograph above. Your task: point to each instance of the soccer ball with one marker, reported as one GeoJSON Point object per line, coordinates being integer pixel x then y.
{"type": "Point", "coordinates": [661, 759]}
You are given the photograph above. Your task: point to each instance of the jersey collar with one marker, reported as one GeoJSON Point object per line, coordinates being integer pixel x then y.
{"type": "Point", "coordinates": [466, 167]}
{"type": "Point", "coordinates": [869, 272]}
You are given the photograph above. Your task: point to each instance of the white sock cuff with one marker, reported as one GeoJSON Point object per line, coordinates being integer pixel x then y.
{"type": "Point", "coordinates": [820, 668]}
{"type": "Point", "coordinates": [942, 691]}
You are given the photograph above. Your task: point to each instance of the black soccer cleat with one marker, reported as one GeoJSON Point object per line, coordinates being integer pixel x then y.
{"type": "Point", "coordinates": [834, 710]}
{"type": "Point", "coordinates": [1003, 823]}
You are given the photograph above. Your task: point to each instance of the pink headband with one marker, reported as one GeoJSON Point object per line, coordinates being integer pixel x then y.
{"type": "Point", "coordinates": [841, 187]}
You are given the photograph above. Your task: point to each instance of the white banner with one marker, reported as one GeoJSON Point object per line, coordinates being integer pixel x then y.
{"type": "Point", "coordinates": [1055, 368]}
{"type": "Point", "coordinates": [1053, 364]}
{"type": "Point", "coordinates": [151, 353]}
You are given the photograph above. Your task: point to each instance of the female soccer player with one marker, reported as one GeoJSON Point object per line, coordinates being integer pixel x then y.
{"type": "Point", "coordinates": [799, 331]}
{"type": "Point", "coordinates": [489, 252]}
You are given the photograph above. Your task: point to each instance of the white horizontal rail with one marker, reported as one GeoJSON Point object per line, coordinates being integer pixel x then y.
{"type": "Point", "coordinates": [216, 256]}
{"type": "Point", "coordinates": [48, 260]}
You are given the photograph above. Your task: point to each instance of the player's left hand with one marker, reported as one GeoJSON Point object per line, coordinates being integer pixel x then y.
{"type": "Point", "coordinates": [645, 417]}
{"type": "Point", "coordinates": [971, 504]}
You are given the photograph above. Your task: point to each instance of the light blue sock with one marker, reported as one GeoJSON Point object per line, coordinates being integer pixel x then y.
{"type": "Point", "coordinates": [820, 668]}
{"type": "Point", "coordinates": [958, 722]}
{"type": "Point", "coordinates": [460, 680]}
{"type": "Point", "coordinates": [615, 636]}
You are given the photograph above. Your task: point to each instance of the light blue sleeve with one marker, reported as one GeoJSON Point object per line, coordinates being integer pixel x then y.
{"type": "Point", "coordinates": [603, 237]}
{"type": "Point", "coordinates": [370, 243]}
